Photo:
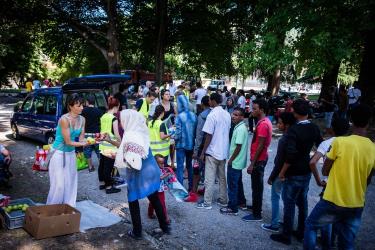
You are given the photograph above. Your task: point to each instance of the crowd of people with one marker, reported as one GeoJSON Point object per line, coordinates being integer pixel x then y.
{"type": "Point", "coordinates": [203, 136]}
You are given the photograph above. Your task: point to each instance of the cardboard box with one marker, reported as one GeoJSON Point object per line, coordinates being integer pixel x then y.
{"type": "Point", "coordinates": [51, 220]}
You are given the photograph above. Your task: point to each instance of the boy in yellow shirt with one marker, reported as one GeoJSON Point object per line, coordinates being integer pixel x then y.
{"type": "Point", "coordinates": [350, 165]}
{"type": "Point", "coordinates": [29, 85]}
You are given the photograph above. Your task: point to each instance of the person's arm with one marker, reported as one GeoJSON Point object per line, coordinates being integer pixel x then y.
{"type": "Point", "coordinates": [327, 166]}
{"type": "Point", "coordinates": [236, 152]}
{"type": "Point", "coordinates": [163, 132]}
{"type": "Point", "coordinates": [260, 148]}
{"type": "Point", "coordinates": [7, 157]}
{"type": "Point", "coordinates": [207, 142]}
{"type": "Point", "coordinates": [82, 135]}
{"type": "Point", "coordinates": [64, 123]}
{"type": "Point", "coordinates": [283, 171]}
{"type": "Point", "coordinates": [178, 132]}
{"type": "Point", "coordinates": [314, 160]}
{"type": "Point", "coordinates": [199, 135]}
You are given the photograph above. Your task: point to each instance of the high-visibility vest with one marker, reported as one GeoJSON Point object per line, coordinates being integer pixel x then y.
{"type": "Point", "coordinates": [186, 93]}
{"type": "Point", "coordinates": [157, 145]}
{"type": "Point", "coordinates": [144, 110]}
{"type": "Point", "coordinates": [106, 127]}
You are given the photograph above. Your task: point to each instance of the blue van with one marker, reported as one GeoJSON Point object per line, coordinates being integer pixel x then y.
{"type": "Point", "coordinates": [37, 116]}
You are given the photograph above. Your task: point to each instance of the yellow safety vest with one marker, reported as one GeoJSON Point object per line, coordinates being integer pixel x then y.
{"type": "Point", "coordinates": [157, 145]}
{"type": "Point", "coordinates": [186, 93]}
{"type": "Point", "coordinates": [144, 110]}
{"type": "Point", "coordinates": [106, 127]}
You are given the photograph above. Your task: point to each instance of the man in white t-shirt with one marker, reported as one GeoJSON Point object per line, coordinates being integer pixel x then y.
{"type": "Point", "coordinates": [198, 95]}
{"type": "Point", "coordinates": [354, 94]}
{"type": "Point", "coordinates": [340, 127]}
{"type": "Point", "coordinates": [215, 151]}
{"type": "Point", "coordinates": [241, 103]}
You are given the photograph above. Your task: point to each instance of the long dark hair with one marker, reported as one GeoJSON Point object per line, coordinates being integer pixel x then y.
{"type": "Point", "coordinates": [158, 111]}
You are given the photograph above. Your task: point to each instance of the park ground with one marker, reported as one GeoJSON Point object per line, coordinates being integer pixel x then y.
{"type": "Point", "coordinates": [192, 228]}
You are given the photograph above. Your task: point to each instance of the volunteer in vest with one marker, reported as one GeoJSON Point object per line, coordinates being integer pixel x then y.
{"type": "Point", "coordinates": [159, 137]}
{"type": "Point", "coordinates": [108, 148]}
{"type": "Point", "coordinates": [143, 105]}
{"type": "Point", "coordinates": [63, 168]}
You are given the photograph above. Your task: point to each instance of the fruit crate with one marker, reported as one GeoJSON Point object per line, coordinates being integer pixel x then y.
{"type": "Point", "coordinates": [15, 219]}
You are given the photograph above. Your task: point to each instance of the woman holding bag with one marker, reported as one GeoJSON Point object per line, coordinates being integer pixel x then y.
{"type": "Point", "coordinates": [63, 164]}
{"type": "Point", "coordinates": [141, 170]}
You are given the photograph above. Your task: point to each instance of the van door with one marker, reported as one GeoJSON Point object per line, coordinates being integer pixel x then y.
{"type": "Point", "coordinates": [45, 115]}
{"type": "Point", "coordinates": [37, 113]}
{"type": "Point", "coordinates": [23, 117]}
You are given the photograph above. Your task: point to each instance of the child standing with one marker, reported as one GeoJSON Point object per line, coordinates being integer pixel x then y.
{"type": "Point", "coordinates": [285, 120]}
{"type": "Point", "coordinates": [165, 173]}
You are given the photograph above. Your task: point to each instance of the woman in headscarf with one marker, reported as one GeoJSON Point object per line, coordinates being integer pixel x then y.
{"type": "Point", "coordinates": [186, 122]}
{"type": "Point", "coordinates": [141, 170]}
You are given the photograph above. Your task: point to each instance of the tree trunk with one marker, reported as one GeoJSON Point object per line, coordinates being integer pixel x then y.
{"type": "Point", "coordinates": [161, 20]}
{"type": "Point", "coordinates": [329, 80]}
{"type": "Point", "coordinates": [365, 79]}
{"type": "Point", "coordinates": [113, 53]}
{"type": "Point", "coordinates": [273, 85]}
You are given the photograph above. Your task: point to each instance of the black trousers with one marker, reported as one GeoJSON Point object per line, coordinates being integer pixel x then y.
{"type": "Point", "coordinates": [257, 187]}
{"type": "Point", "coordinates": [136, 214]}
{"type": "Point", "coordinates": [105, 169]}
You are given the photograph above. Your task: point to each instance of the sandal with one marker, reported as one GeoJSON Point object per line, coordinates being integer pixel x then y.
{"type": "Point", "coordinates": [92, 169]}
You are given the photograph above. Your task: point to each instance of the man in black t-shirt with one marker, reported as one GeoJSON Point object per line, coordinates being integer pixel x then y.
{"type": "Point", "coordinates": [121, 96]}
{"type": "Point", "coordinates": [92, 126]}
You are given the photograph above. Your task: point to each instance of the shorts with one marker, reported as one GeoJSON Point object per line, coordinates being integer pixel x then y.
{"type": "Point", "coordinates": [87, 151]}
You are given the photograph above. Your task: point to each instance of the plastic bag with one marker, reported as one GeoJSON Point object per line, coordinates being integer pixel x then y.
{"type": "Point", "coordinates": [82, 162]}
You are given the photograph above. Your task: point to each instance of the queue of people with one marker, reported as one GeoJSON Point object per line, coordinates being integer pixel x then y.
{"type": "Point", "coordinates": [211, 142]}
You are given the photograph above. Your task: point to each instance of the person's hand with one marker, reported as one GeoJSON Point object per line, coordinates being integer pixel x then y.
{"type": "Point", "coordinates": [282, 177]}
{"type": "Point", "coordinates": [322, 183]}
{"type": "Point", "coordinates": [250, 168]}
{"type": "Point", "coordinates": [202, 157]}
{"type": "Point", "coordinates": [195, 156]}
{"type": "Point", "coordinates": [7, 159]}
{"type": "Point", "coordinates": [106, 137]}
{"type": "Point", "coordinates": [269, 181]}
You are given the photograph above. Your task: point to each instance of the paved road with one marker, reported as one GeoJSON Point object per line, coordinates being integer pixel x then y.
{"type": "Point", "coordinates": [192, 228]}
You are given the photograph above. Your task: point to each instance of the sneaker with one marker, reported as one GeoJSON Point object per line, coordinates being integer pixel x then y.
{"type": "Point", "coordinates": [101, 187]}
{"type": "Point", "coordinates": [119, 182]}
{"type": "Point", "coordinates": [203, 206]}
{"type": "Point", "coordinates": [251, 218]}
{"type": "Point", "coordinates": [280, 238]}
{"type": "Point", "coordinates": [112, 190]}
{"type": "Point", "coordinates": [193, 197]}
{"type": "Point", "coordinates": [228, 211]}
{"type": "Point", "coordinates": [221, 204]}
{"type": "Point", "coordinates": [270, 228]}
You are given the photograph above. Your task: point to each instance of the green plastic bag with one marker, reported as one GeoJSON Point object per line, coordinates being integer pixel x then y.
{"type": "Point", "coordinates": [82, 162]}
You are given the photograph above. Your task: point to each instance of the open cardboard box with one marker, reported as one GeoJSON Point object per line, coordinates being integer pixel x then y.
{"type": "Point", "coordinates": [52, 220]}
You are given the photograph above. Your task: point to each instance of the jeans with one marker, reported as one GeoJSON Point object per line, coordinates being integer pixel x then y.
{"type": "Point", "coordinates": [235, 188]}
{"type": "Point", "coordinates": [346, 220]}
{"type": "Point", "coordinates": [257, 187]}
{"type": "Point", "coordinates": [328, 119]}
{"type": "Point", "coordinates": [213, 168]}
{"type": "Point", "coordinates": [277, 187]}
{"type": "Point", "coordinates": [87, 151]}
{"type": "Point", "coordinates": [295, 193]}
{"type": "Point", "coordinates": [181, 155]}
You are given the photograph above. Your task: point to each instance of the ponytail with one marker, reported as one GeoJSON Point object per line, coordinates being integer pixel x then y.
{"type": "Point", "coordinates": [158, 111]}
{"type": "Point", "coordinates": [113, 102]}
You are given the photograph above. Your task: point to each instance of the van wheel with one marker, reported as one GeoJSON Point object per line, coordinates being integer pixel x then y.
{"type": "Point", "coordinates": [50, 139]}
{"type": "Point", "coordinates": [15, 133]}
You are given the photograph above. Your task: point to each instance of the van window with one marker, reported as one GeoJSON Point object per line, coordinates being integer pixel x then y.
{"type": "Point", "coordinates": [100, 101]}
{"type": "Point", "coordinates": [38, 105]}
{"type": "Point", "coordinates": [26, 107]}
{"type": "Point", "coordinates": [51, 105]}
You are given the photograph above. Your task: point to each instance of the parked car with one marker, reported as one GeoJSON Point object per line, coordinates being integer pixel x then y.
{"type": "Point", "coordinates": [37, 116]}
{"type": "Point", "coordinates": [217, 84]}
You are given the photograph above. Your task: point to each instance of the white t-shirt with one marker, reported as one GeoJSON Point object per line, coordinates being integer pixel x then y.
{"type": "Point", "coordinates": [354, 94]}
{"type": "Point", "coordinates": [199, 94]}
{"type": "Point", "coordinates": [218, 125]}
{"type": "Point", "coordinates": [252, 98]}
{"type": "Point", "coordinates": [241, 102]}
{"type": "Point", "coordinates": [324, 146]}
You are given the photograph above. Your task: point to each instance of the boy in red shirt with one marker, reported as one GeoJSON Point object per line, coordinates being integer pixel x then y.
{"type": "Point", "coordinates": [258, 157]}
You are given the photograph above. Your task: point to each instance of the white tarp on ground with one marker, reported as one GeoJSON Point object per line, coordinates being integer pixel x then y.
{"type": "Point", "coordinates": [94, 215]}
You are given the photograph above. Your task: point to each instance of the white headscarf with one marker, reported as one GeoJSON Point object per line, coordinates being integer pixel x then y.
{"type": "Point", "coordinates": [135, 142]}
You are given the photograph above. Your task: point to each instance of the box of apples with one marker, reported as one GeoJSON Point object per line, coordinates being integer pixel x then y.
{"type": "Point", "coordinates": [14, 212]}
